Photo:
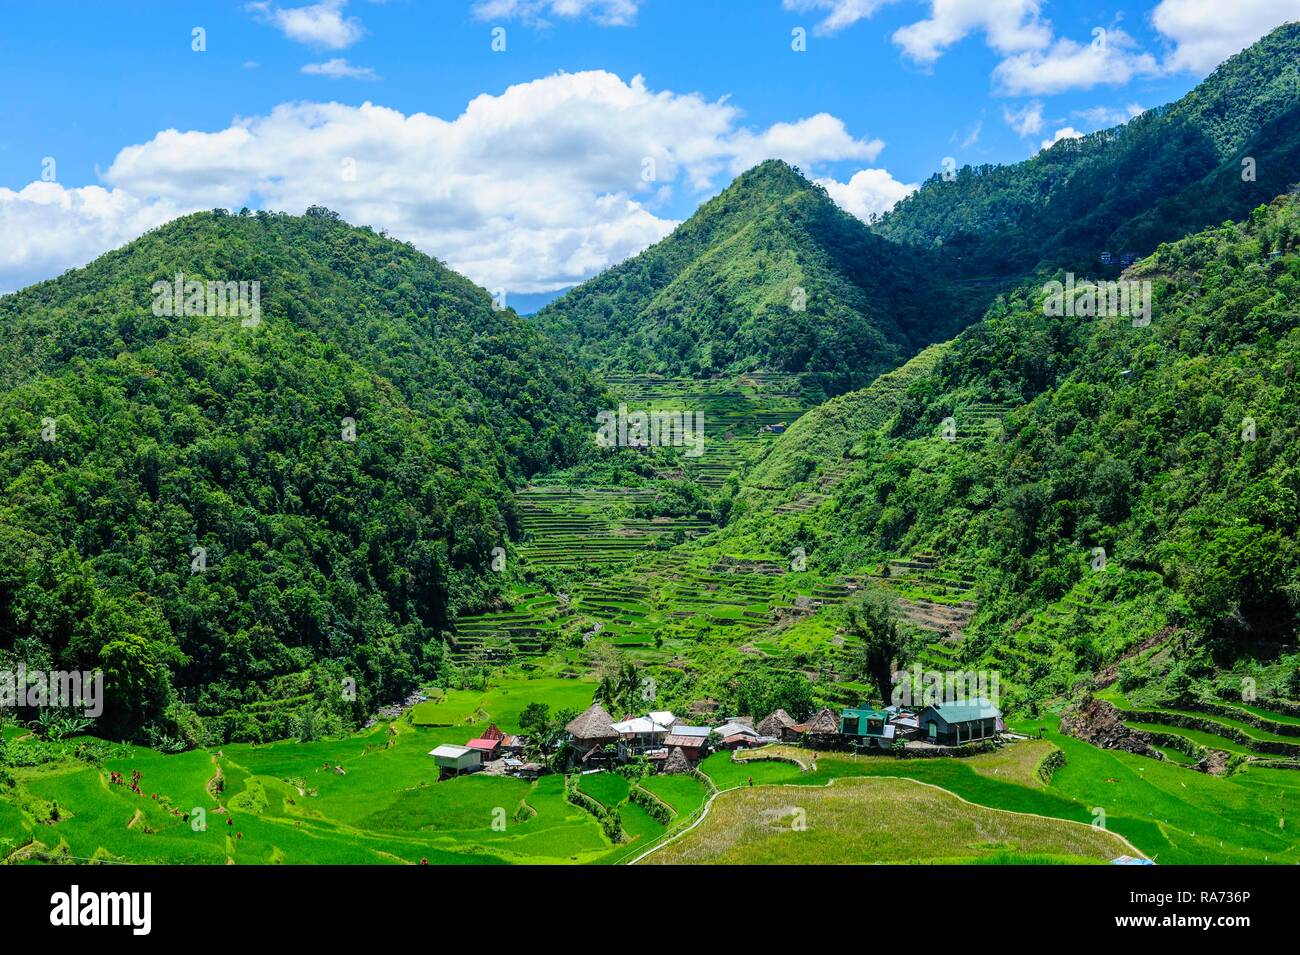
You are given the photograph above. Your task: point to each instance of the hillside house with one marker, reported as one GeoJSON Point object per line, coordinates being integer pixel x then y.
{"type": "Point", "coordinates": [960, 721]}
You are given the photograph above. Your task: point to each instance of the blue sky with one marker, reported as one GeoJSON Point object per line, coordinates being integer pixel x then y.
{"type": "Point", "coordinates": [600, 125]}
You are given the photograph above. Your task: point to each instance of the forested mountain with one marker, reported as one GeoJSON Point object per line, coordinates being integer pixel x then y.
{"type": "Point", "coordinates": [205, 504]}
{"type": "Point", "coordinates": [1168, 172]}
{"type": "Point", "coordinates": [770, 274]}
{"type": "Point", "coordinates": [721, 294]}
{"type": "Point", "coordinates": [1174, 448]}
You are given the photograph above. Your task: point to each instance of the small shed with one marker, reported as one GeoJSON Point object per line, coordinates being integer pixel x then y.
{"type": "Point", "coordinates": [454, 760]}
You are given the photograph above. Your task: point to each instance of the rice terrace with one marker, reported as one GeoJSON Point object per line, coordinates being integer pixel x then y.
{"type": "Point", "coordinates": [498, 459]}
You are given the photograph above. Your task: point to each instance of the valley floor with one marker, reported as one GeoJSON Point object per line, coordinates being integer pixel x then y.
{"type": "Point", "coordinates": [373, 798]}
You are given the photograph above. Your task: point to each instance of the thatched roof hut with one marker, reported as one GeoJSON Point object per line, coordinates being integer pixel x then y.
{"type": "Point", "coordinates": [592, 724]}
{"type": "Point", "coordinates": [776, 724]}
{"type": "Point", "coordinates": [677, 762]}
{"type": "Point", "coordinates": [823, 724]}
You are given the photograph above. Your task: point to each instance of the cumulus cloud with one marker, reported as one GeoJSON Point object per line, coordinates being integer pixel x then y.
{"type": "Point", "coordinates": [606, 12]}
{"type": "Point", "coordinates": [530, 190]}
{"type": "Point", "coordinates": [49, 228]}
{"type": "Point", "coordinates": [1065, 132]}
{"type": "Point", "coordinates": [319, 24]}
{"type": "Point", "coordinates": [869, 192]}
{"type": "Point", "coordinates": [1111, 58]}
{"type": "Point", "coordinates": [1009, 26]}
{"type": "Point", "coordinates": [1206, 32]}
{"type": "Point", "coordinates": [340, 69]}
{"type": "Point", "coordinates": [1026, 121]}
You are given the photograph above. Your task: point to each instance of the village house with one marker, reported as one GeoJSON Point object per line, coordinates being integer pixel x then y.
{"type": "Point", "coordinates": [509, 744]}
{"type": "Point", "coordinates": [688, 743]}
{"type": "Point", "coordinates": [779, 725]}
{"type": "Point", "coordinates": [590, 732]}
{"type": "Point", "coordinates": [642, 734]}
{"type": "Point", "coordinates": [960, 721]}
{"type": "Point", "coordinates": [735, 734]}
{"type": "Point", "coordinates": [454, 760]}
{"type": "Point", "coordinates": [488, 749]}
{"type": "Point", "coordinates": [867, 727]}
{"type": "Point", "coordinates": [822, 731]}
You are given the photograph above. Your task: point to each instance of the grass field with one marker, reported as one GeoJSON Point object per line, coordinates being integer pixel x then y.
{"type": "Point", "coordinates": [502, 702]}
{"type": "Point", "coordinates": [873, 820]}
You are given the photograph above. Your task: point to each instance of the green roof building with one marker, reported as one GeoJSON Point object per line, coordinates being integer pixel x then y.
{"type": "Point", "coordinates": [960, 721]}
{"type": "Point", "coordinates": [862, 721]}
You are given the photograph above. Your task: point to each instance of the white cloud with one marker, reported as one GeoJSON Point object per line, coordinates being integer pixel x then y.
{"type": "Point", "coordinates": [868, 192]}
{"type": "Point", "coordinates": [1065, 132]}
{"type": "Point", "coordinates": [1067, 65]}
{"type": "Point", "coordinates": [1101, 117]}
{"type": "Point", "coordinates": [605, 12]}
{"type": "Point", "coordinates": [1009, 26]}
{"type": "Point", "coordinates": [530, 190]}
{"type": "Point", "coordinates": [319, 24]}
{"type": "Point", "coordinates": [1026, 121]}
{"type": "Point", "coordinates": [1207, 32]}
{"type": "Point", "coordinates": [839, 14]}
{"type": "Point", "coordinates": [338, 68]}
{"type": "Point", "coordinates": [49, 228]}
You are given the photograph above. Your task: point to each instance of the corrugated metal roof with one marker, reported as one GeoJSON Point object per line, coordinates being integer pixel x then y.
{"type": "Point", "coordinates": [448, 751]}
{"type": "Point", "coordinates": [736, 729]}
{"type": "Point", "coordinates": [701, 731]}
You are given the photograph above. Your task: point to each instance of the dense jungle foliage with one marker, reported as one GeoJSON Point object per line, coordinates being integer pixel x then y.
{"type": "Point", "coordinates": [207, 507]}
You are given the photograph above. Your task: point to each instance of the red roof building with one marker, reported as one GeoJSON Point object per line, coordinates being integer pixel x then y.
{"type": "Point", "coordinates": [488, 747]}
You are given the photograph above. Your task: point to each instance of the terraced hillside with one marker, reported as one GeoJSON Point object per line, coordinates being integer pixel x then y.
{"type": "Point", "coordinates": [582, 526]}
{"type": "Point", "coordinates": [630, 586]}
